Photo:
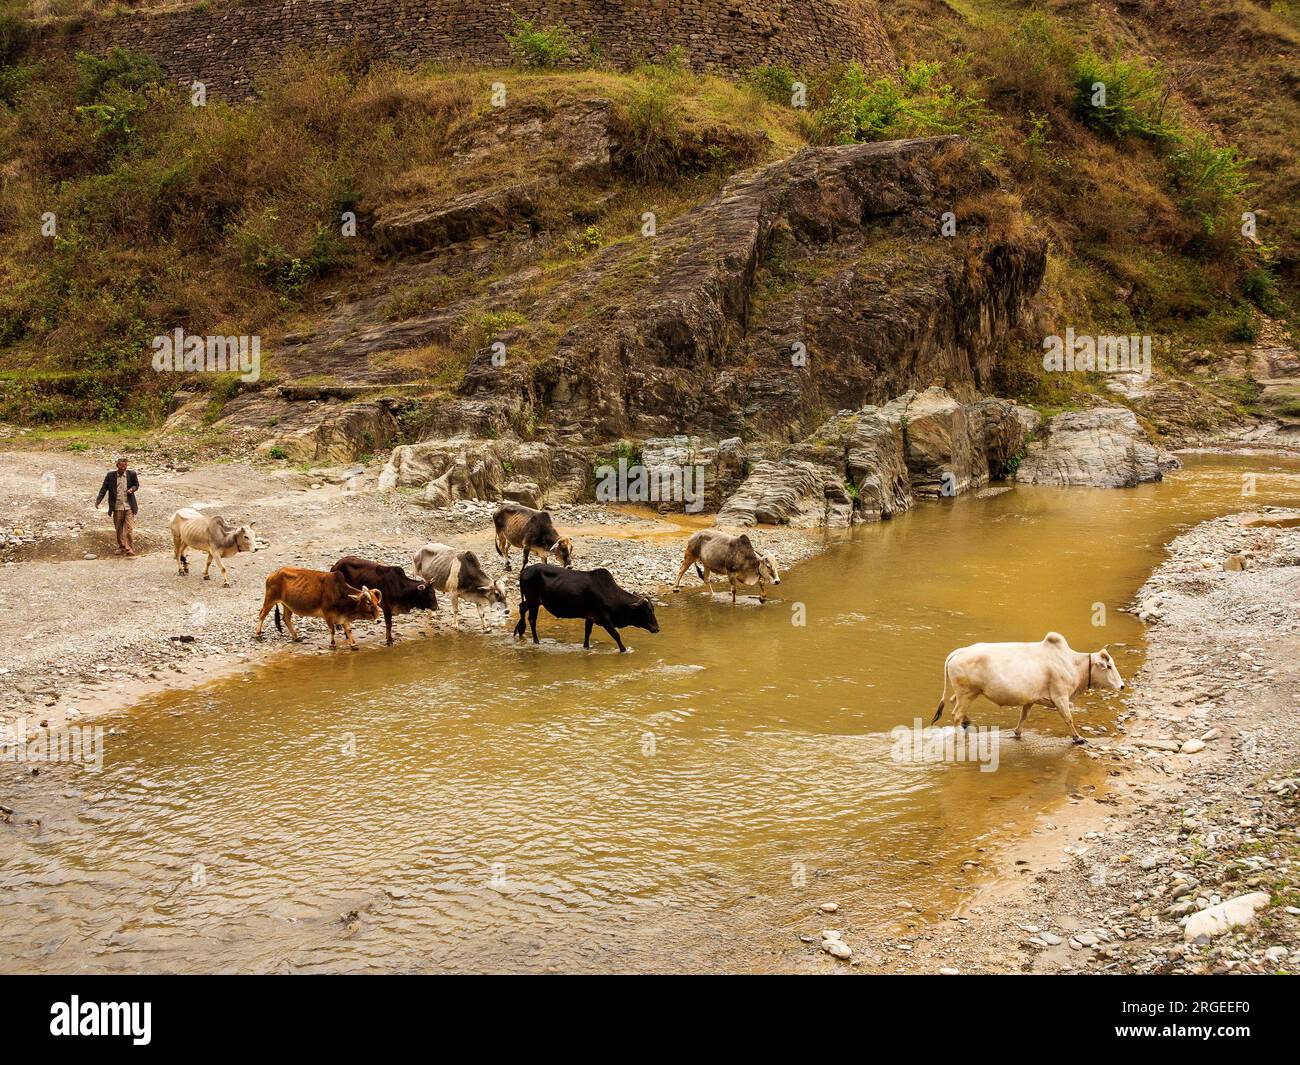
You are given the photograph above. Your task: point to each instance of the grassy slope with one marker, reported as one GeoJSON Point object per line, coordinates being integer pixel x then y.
{"type": "Point", "coordinates": [223, 219]}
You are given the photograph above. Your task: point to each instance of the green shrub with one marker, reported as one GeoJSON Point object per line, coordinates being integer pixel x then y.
{"type": "Point", "coordinates": [120, 69]}
{"type": "Point", "coordinates": [539, 46]}
{"type": "Point", "coordinates": [918, 103]}
{"type": "Point", "coordinates": [1210, 182]}
{"type": "Point", "coordinates": [651, 133]}
{"type": "Point", "coordinates": [1260, 287]}
{"type": "Point", "coordinates": [772, 82]}
{"type": "Point", "coordinates": [1244, 325]}
{"type": "Point", "coordinates": [1121, 97]}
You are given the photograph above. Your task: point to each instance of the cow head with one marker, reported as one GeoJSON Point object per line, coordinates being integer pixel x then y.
{"type": "Point", "coordinates": [563, 550]}
{"type": "Point", "coordinates": [424, 596]}
{"type": "Point", "coordinates": [496, 592]}
{"type": "Point", "coordinates": [767, 570]}
{"type": "Point", "coordinates": [640, 613]}
{"type": "Point", "coordinates": [368, 600]}
{"type": "Point", "coordinates": [245, 539]}
{"type": "Point", "coordinates": [1104, 672]}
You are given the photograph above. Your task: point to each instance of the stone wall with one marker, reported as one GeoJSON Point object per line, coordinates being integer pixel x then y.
{"type": "Point", "coordinates": [227, 44]}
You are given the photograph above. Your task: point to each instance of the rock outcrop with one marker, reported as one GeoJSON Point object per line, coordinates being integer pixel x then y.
{"type": "Point", "coordinates": [1100, 448]}
{"type": "Point", "coordinates": [463, 468]}
{"type": "Point", "coordinates": [870, 464]}
{"type": "Point", "coordinates": [822, 280]}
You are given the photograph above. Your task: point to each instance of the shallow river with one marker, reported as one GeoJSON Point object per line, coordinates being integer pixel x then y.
{"type": "Point", "coordinates": [470, 802]}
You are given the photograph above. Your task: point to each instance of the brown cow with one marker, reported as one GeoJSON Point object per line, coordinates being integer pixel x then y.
{"type": "Point", "coordinates": [521, 526]}
{"type": "Point", "coordinates": [315, 594]}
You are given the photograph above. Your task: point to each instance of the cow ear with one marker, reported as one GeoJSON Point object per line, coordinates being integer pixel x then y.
{"type": "Point", "coordinates": [379, 596]}
{"type": "Point", "coordinates": [743, 540]}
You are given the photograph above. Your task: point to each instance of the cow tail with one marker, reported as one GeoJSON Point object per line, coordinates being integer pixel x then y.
{"type": "Point", "coordinates": [277, 618]}
{"type": "Point", "coordinates": [944, 697]}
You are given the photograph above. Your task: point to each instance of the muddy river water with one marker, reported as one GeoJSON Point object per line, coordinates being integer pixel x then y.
{"type": "Point", "coordinates": [469, 802]}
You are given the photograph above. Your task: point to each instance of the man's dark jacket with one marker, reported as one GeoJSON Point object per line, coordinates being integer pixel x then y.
{"type": "Point", "coordinates": [109, 488]}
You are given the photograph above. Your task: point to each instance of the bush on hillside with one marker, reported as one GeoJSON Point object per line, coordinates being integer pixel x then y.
{"type": "Point", "coordinates": [540, 47]}
{"type": "Point", "coordinates": [1121, 97]}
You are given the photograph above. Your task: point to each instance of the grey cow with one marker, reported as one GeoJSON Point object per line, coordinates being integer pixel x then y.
{"type": "Point", "coordinates": [192, 529]}
{"type": "Point", "coordinates": [458, 573]}
{"type": "Point", "coordinates": [731, 556]}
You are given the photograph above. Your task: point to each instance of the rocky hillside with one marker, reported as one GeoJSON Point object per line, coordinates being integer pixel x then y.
{"type": "Point", "coordinates": [568, 260]}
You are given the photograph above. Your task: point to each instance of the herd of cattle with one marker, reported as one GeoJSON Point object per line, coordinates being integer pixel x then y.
{"type": "Point", "coordinates": [356, 589]}
{"type": "Point", "coordinates": [1048, 673]}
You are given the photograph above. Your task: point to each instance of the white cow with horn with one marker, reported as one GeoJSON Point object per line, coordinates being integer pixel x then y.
{"type": "Point", "coordinates": [1025, 675]}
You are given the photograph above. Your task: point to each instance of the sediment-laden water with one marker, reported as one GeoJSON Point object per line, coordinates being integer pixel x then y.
{"type": "Point", "coordinates": [472, 802]}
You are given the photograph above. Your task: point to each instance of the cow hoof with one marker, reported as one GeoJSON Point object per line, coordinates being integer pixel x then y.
{"type": "Point", "coordinates": [1017, 735]}
{"type": "Point", "coordinates": [206, 577]}
{"type": "Point", "coordinates": [1080, 740]}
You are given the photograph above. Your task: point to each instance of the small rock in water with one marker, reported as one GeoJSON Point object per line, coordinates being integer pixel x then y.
{"type": "Point", "coordinates": [829, 907]}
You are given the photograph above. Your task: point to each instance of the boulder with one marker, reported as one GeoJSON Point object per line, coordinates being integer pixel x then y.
{"type": "Point", "coordinates": [1232, 913]}
{"type": "Point", "coordinates": [469, 468]}
{"type": "Point", "coordinates": [1004, 430]}
{"type": "Point", "coordinates": [789, 492]}
{"type": "Point", "coordinates": [1103, 448]}
{"type": "Point", "coordinates": [944, 443]}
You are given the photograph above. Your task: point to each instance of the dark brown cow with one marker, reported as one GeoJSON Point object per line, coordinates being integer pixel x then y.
{"type": "Point", "coordinates": [315, 594]}
{"type": "Point", "coordinates": [400, 593]}
{"type": "Point", "coordinates": [521, 526]}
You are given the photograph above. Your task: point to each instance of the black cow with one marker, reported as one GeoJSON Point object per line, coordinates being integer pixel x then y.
{"type": "Point", "coordinates": [588, 594]}
{"type": "Point", "coordinates": [401, 593]}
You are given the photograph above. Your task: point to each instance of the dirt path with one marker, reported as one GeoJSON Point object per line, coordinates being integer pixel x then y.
{"type": "Point", "coordinates": [88, 634]}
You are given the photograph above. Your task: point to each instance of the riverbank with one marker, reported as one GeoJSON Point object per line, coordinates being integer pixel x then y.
{"type": "Point", "coordinates": [88, 632]}
{"type": "Point", "coordinates": [1107, 869]}
{"type": "Point", "coordinates": [1203, 800]}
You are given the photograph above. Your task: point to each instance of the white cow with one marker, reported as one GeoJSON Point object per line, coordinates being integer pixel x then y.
{"type": "Point", "coordinates": [459, 574]}
{"type": "Point", "coordinates": [1025, 675]}
{"type": "Point", "coordinates": [211, 535]}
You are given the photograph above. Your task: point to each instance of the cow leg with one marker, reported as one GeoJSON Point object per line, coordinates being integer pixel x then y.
{"type": "Point", "coordinates": [1063, 708]}
{"type": "Point", "coordinates": [523, 609]}
{"type": "Point", "coordinates": [1024, 714]}
{"type": "Point", "coordinates": [207, 567]}
{"type": "Point", "coordinates": [524, 564]}
{"type": "Point", "coordinates": [455, 609]}
{"type": "Point", "coordinates": [686, 564]}
{"type": "Point", "coordinates": [482, 617]}
{"type": "Point", "coordinates": [225, 577]}
{"type": "Point", "coordinates": [178, 553]}
{"type": "Point", "coordinates": [267, 604]}
{"type": "Point", "coordinates": [288, 624]}
{"type": "Point", "coordinates": [532, 619]}
{"type": "Point", "coordinates": [586, 636]}
{"type": "Point", "coordinates": [762, 598]}
{"type": "Point", "coordinates": [347, 631]}
{"type": "Point", "coordinates": [960, 706]}
{"type": "Point", "coordinates": [733, 591]}
{"type": "Point", "coordinates": [503, 549]}
{"type": "Point", "coordinates": [388, 624]}
{"type": "Point", "coordinates": [614, 633]}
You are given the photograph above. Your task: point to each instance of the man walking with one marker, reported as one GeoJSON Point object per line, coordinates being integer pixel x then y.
{"type": "Point", "coordinates": [120, 485]}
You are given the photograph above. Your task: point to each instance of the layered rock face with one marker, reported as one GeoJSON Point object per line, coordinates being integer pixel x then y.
{"type": "Point", "coordinates": [1101, 448]}
{"type": "Point", "coordinates": [465, 468]}
{"type": "Point", "coordinates": [870, 464]}
{"type": "Point", "coordinates": [820, 281]}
